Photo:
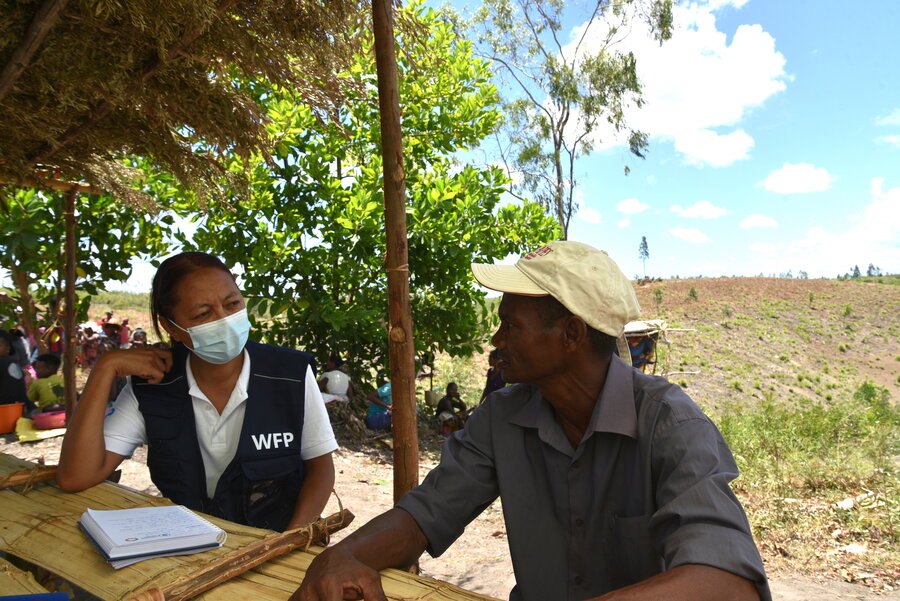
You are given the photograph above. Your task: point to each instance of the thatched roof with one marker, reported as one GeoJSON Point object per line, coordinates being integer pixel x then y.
{"type": "Point", "coordinates": [82, 81]}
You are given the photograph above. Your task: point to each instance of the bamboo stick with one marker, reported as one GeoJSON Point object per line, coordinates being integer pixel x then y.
{"type": "Point", "coordinates": [249, 557]}
{"type": "Point", "coordinates": [39, 473]}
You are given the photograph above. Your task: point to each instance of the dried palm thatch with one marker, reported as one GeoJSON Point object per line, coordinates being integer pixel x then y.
{"type": "Point", "coordinates": [85, 81]}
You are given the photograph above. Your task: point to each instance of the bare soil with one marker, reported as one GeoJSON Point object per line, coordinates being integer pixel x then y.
{"type": "Point", "coordinates": [479, 560]}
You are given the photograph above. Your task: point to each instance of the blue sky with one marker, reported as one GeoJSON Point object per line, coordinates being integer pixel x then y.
{"type": "Point", "coordinates": [774, 144]}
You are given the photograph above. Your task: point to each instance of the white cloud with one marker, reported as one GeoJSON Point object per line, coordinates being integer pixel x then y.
{"type": "Point", "coordinates": [630, 206]}
{"type": "Point", "coordinates": [756, 220]}
{"type": "Point", "coordinates": [892, 119]}
{"type": "Point", "coordinates": [694, 236]}
{"type": "Point", "coordinates": [700, 210]}
{"type": "Point", "coordinates": [697, 86]}
{"type": "Point", "coordinates": [704, 146]}
{"type": "Point", "coordinates": [798, 179]}
{"type": "Point", "coordinates": [892, 140]}
{"type": "Point", "coordinates": [873, 237]}
{"type": "Point", "coordinates": [623, 223]}
{"type": "Point", "coordinates": [590, 215]}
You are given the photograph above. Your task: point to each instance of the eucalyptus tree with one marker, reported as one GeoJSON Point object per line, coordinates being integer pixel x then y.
{"type": "Point", "coordinates": [561, 88]}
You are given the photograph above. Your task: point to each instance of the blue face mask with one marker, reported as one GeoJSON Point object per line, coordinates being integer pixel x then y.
{"type": "Point", "coordinates": [222, 340]}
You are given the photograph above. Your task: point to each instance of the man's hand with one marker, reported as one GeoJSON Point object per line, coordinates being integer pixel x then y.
{"type": "Point", "coordinates": [336, 575]}
{"type": "Point", "coordinates": [349, 570]}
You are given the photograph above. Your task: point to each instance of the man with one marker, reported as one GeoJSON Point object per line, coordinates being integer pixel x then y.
{"type": "Point", "coordinates": [613, 482]}
{"type": "Point", "coordinates": [451, 410]}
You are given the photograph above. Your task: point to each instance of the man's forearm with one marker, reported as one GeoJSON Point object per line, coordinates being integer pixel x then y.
{"type": "Point", "coordinates": [391, 540]}
{"type": "Point", "coordinates": [688, 583]}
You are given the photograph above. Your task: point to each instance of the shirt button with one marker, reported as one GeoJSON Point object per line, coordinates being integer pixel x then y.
{"type": "Point", "coordinates": [579, 580]}
{"type": "Point", "coordinates": [579, 522]}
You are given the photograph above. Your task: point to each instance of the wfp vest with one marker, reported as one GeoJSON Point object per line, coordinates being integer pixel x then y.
{"type": "Point", "coordinates": [260, 485]}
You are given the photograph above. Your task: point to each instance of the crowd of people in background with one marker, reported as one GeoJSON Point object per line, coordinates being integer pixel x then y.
{"type": "Point", "coordinates": [34, 378]}
{"type": "Point", "coordinates": [41, 388]}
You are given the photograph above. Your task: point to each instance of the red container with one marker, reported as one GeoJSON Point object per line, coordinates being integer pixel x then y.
{"type": "Point", "coordinates": [49, 420]}
{"type": "Point", "coordinates": [9, 415]}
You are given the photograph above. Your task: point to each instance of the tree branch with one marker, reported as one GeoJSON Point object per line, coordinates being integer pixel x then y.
{"type": "Point", "coordinates": [521, 85]}
{"type": "Point", "coordinates": [175, 51]}
{"type": "Point", "coordinates": [40, 26]}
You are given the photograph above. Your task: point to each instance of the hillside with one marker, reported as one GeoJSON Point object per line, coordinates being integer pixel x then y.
{"type": "Point", "coordinates": [790, 339]}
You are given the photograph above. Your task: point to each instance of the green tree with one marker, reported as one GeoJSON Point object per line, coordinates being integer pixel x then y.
{"type": "Point", "coordinates": [562, 92]}
{"type": "Point", "coordinates": [311, 235]}
{"type": "Point", "coordinates": [109, 232]}
{"type": "Point", "coordinates": [644, 253]}
{"type": "Point", "coordinates": [856, 273]}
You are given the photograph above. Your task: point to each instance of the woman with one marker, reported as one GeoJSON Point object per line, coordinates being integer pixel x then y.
{"type": "Point", "coordinates": [234, 428]}
{"type": "Point", "coordinates": [12, 379]}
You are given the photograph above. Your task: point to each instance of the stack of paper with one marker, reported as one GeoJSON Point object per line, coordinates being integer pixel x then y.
{"type": "Point", "coordinates": [127, 536]}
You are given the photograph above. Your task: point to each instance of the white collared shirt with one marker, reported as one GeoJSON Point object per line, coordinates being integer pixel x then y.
{"type": "Point", "coordinates": [218, 434]}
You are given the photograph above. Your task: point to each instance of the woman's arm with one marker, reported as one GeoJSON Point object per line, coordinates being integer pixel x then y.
{"type": "Point", "coordinates": [84, 460]}
{"type": "Point", "coordinates": [317, 486]}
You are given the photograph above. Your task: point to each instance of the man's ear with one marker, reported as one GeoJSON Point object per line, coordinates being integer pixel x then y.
{"type": "Point", "coordinates": [575, 332]}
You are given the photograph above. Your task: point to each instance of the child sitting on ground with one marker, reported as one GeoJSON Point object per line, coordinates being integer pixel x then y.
{"type": "Point", "coordinates": [47, 392]}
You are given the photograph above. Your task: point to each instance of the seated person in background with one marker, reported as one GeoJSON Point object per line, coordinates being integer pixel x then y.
{"type": "Point", "coordinates": [138, 338]}
{"type": "Point", "coordinates": [112, 332]}
{"type": "Point", "coordinates": [378, 414]}
{"type": "Point", "coordinates": [12, 379]}
{"type": "Point", "coordinates": [451, 410]}
{"type": "Point", "coordinates": [334, 384]}
{"type": "Point", "coordinates": [494, 377]}
{"type": "Point", "coordinates": [90, 342]}
{"type": "Point", "coordinates": [47, 392]}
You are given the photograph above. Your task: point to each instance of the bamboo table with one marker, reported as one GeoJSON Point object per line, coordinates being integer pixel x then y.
{"type": "Point", "coordinates": [14, 581]}
{"type": "Point", "coordinates": [38, 523]}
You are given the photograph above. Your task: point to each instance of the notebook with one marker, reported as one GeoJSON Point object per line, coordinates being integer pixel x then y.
{"type": "Point", "coordinates": [127, 536]}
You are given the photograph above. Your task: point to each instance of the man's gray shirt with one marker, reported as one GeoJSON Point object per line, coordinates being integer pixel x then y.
{"type": "Point", "coordinates": [646, 490]}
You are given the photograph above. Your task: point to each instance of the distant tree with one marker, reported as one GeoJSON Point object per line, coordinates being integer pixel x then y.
{"type": "Point", "coordinates": [856, 273]}
{"type": "Point", "coordinates": [872, 270]}
{"type": "Point", "coordinates": [658, 297]}
{"type": "Point", "coordinates": [644, 253]}
{"type": "Point", "coordinates": [563, 91]}
{"type": "Point", "coordinates": [802, 275]}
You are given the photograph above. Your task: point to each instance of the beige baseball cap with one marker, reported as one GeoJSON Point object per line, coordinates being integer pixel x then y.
{"type": "Point", "coordinates": [585, 280]}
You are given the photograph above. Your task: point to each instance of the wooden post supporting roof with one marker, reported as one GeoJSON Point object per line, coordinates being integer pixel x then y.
{"type": "Point", "coordinates": [400, 331]}
{"type": "Point", "coordinates": [69, 314]}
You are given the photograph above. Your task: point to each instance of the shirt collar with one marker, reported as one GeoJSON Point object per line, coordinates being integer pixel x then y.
{"type": "Point", "coordinates": [614, 411]}
{"type": "Point", "coordinates": [240, 388]}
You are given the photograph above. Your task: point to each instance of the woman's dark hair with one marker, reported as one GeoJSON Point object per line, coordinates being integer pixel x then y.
{"type": "Point", "coordinates": [336, 359]}
{"type": "Point", "coordinates": [9, 339]}
{"type": "Point", "coordinates": [50, 359]}
{"type": "Point", "coordinates": [169, 274]}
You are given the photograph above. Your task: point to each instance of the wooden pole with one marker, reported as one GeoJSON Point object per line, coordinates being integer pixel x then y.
{"type": "Point", "coordinates": [400, 333]}
{"type": "Point", "coordinates": [69, 313]}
